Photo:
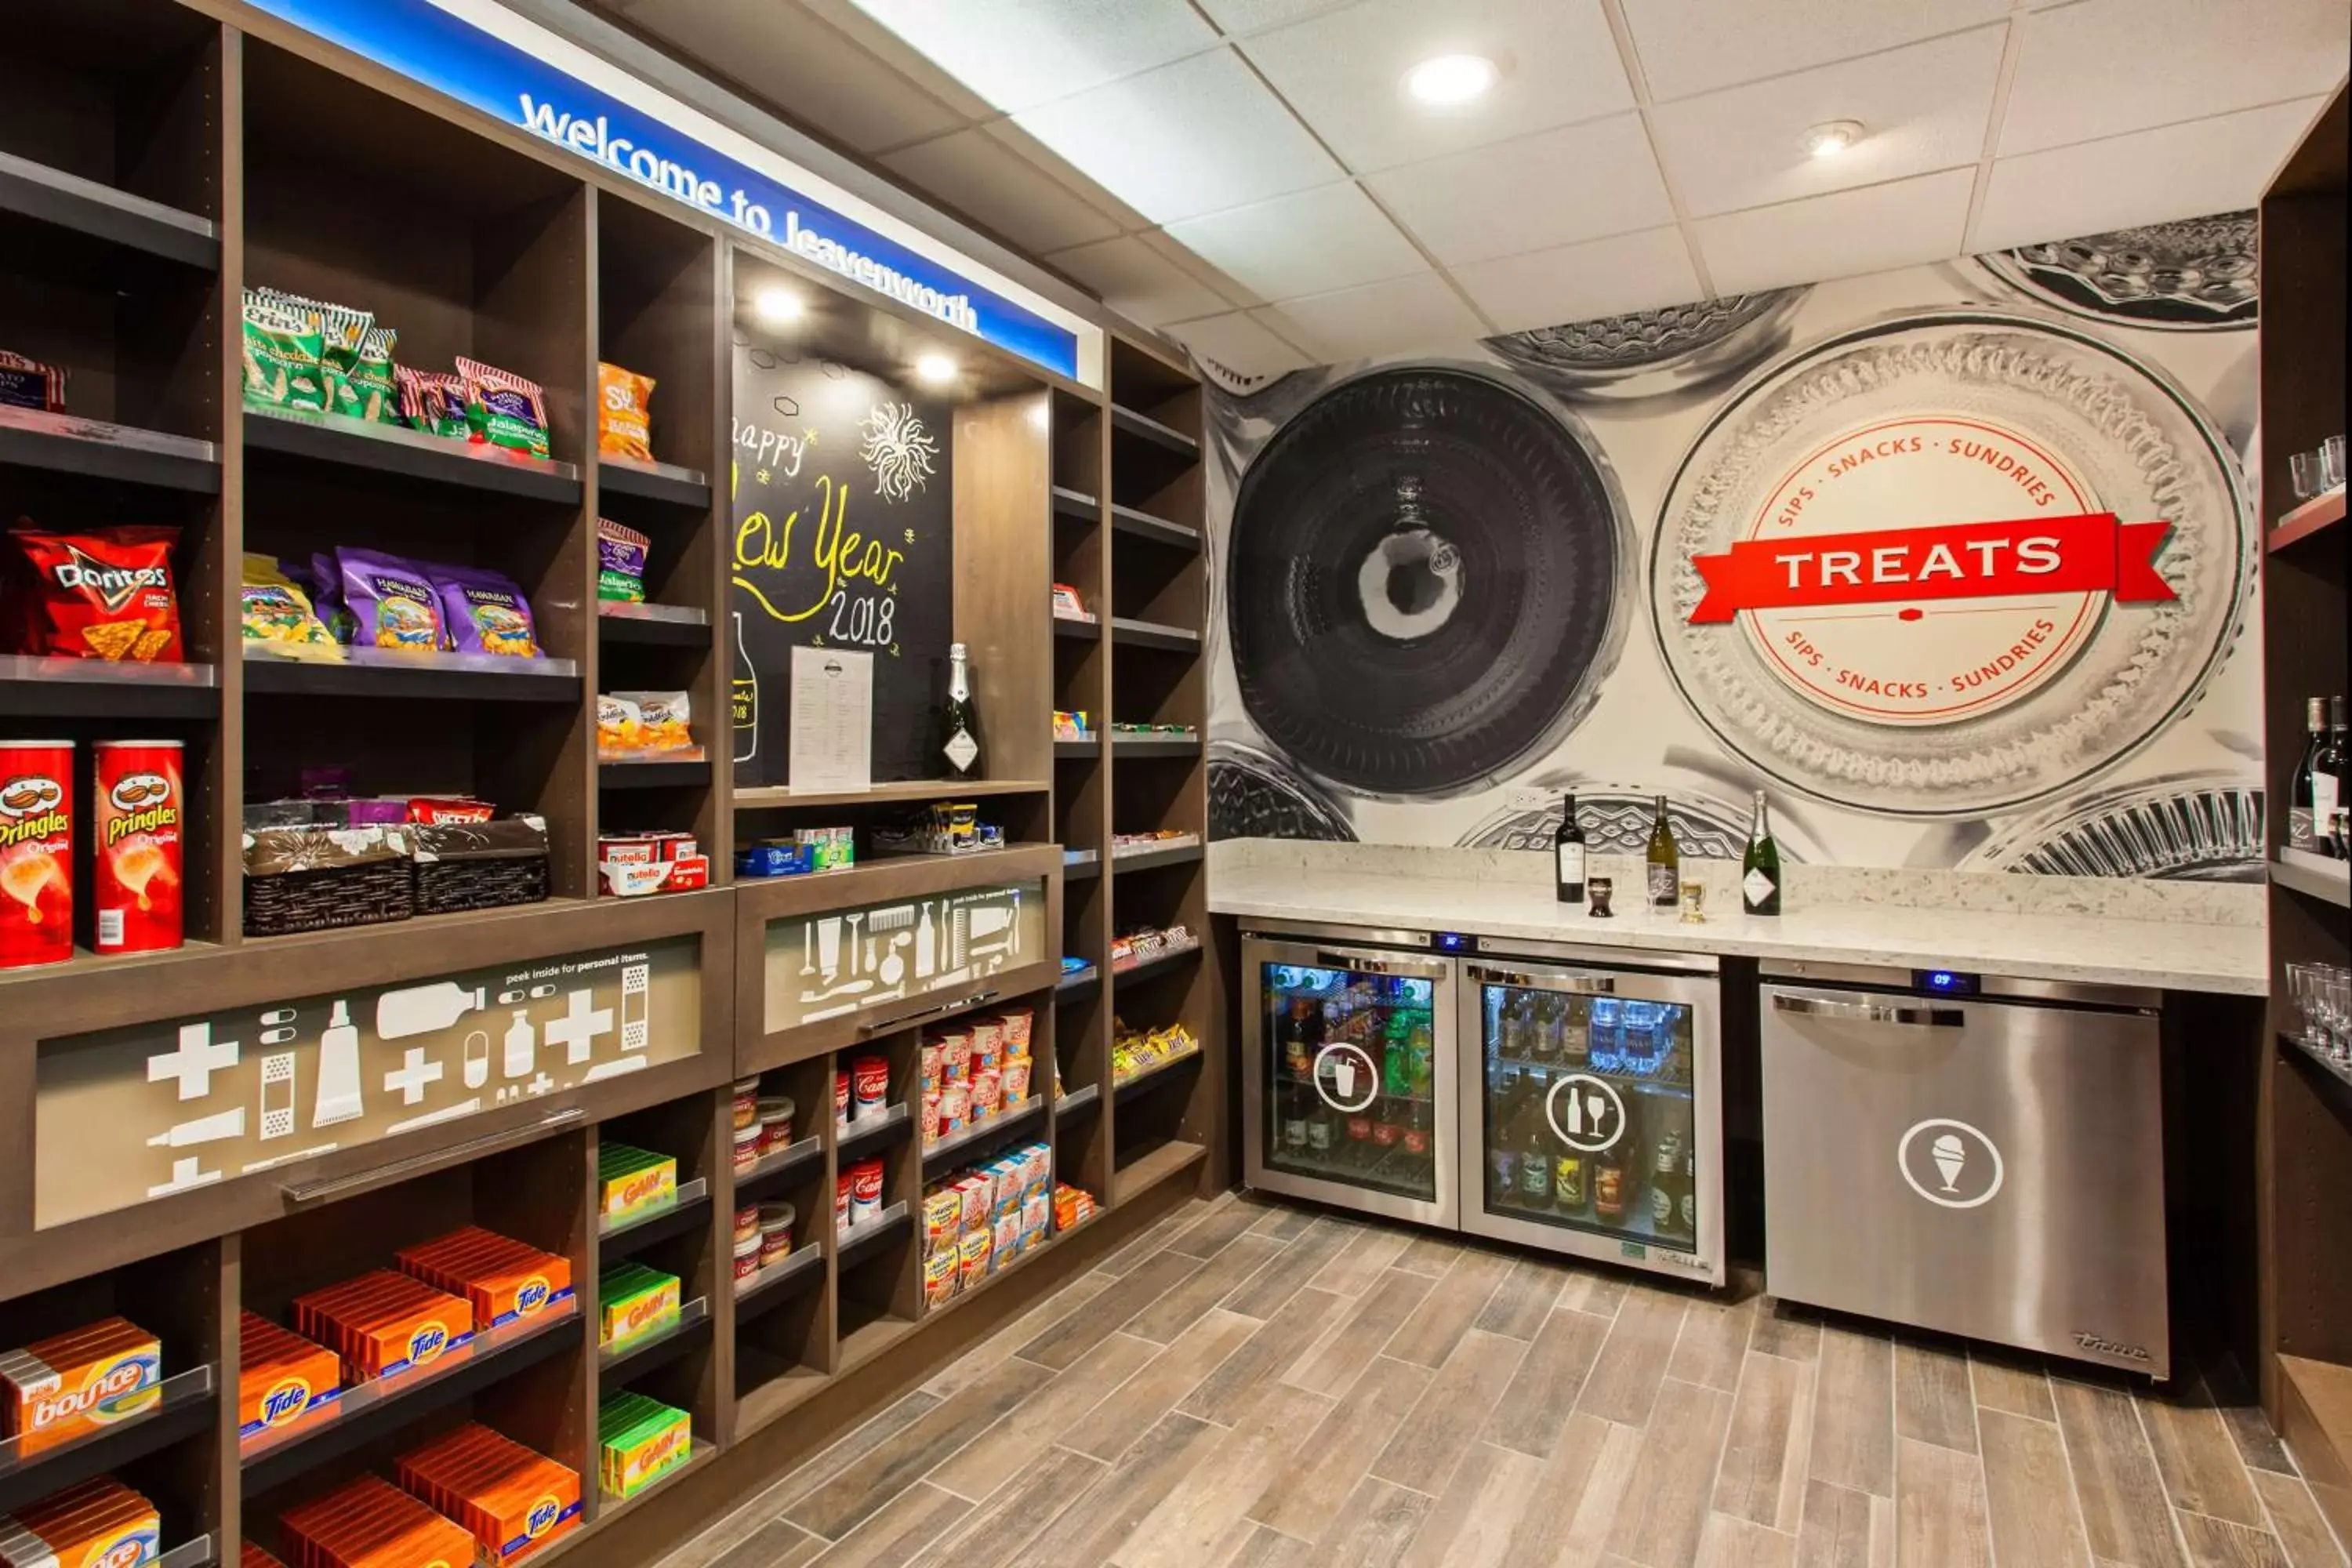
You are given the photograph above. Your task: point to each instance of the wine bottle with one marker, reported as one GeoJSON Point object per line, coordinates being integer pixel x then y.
{"type": "Point", "coordinates": [2303, 828]}
{"type": "Point", "coordinates": [1760, 868]}
{"type": "Point", "coordinates": [2327, 783]}
{"type": "Point", "coordinates": [1567, 856]}
{"type": "Point", "coordinates": [1665, 860]}
{"type": "Point", "coordinates": [960, 717]}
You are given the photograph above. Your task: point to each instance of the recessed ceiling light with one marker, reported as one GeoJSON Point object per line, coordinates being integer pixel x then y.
{"type": "Point", "coordinates": [935, 370]}
{"type": "Point", "coordinates": [1450, 79]}
{"type": "Point", "coordinates": [1831, 137]}
{"type": "Point", "coordinates": [777, 306]}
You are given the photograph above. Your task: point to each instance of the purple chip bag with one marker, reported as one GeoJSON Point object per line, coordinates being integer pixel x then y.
{"type": "Point", "coordinates": [325, 583]}
{"type": "Point", "coordinates": [392, 602]}
{"type": "Point", "coordinates": [484, 612]}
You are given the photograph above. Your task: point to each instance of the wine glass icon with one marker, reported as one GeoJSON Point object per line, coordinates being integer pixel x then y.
{"type": "Point", "coordinates": [1951, 1156]}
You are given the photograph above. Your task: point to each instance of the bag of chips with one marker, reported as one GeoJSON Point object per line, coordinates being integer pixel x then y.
{"type": "Point", "coordinates": [392, 602]}
{"type": "Point", "coordinates": [502, 409]}
{"type": "Point", "coordinates": [484, 612]}
{"type": "Point", "coordinates": [432, 401]}
{"type": "Point", "coordinates": [29, 384]}
{"type": "Point", "coordinates": [664, 720]}
{"type": "Point", "coordinates": [282, 344]}
{"type": "Point", "coordinates": [624, 423]}
{"type": "Point", "coordinates": [104, 595]}
{"type": "Point", "coordinates": [619, 726]}
{"type": "Point", "coordinates": [274, 609]}
{"type": "Point", "coordinates": [620, 563]}
{"type": "Point", "coordinates": [365, 390]}
{"type": "Point", "coordinates": [324, 581]}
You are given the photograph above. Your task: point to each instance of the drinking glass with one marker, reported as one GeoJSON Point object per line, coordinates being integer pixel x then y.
{"type": "Point", "coordinates": [2303, 472]}
{"type": "Point", "coordinates": [2337, 994]}
{"type": "Point", "coordinates": [2331, 462]}
{"type": "Point", "coordinates": [2298, 990]}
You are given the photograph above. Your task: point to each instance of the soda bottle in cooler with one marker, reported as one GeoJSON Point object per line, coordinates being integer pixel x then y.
{"type": "Point", "coordinates": [1502, 1153]}
{"type": "Point", "coordinates": [1535, 1143]}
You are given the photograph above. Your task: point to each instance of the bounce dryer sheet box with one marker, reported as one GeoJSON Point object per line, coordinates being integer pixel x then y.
{"type": "Point", "coordinates": [370, 1523]}
{"type": "Point", "coordinates": [101, 1523]}
{"type": "Point", "coordinates": [503, 1279]}
{"type": "Point", "coordinates": [382, 1322]}
{"type": "Point", "coordinates": [281, 1377]}
{"type": "Point", "coordinates": [512, 1499]}
{"type": "Point", "coordinates": [71, 1384]}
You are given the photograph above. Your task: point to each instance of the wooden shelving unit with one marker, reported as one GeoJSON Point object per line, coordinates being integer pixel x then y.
{"type": "Point", "coordinates": [165, 156]}
{"type": "Point", "coordinates": [2304, 1136]}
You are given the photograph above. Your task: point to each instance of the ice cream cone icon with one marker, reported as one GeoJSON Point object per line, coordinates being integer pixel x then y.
{"type": "Point", "coordinates": [1951, 1156]}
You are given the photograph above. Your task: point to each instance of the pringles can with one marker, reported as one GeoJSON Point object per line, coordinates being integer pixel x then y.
{"type": "Point", "coordinates": [135, 836]}
{"type": "Point", "coordinates": [35, 853]}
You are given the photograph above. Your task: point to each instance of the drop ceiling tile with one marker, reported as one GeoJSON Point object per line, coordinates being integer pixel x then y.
{"type": "Point", "coordinates": [1219, 282]}
{"type": "Point", "coordinates": [1138, 282]}
{"type": "Point", "coordinates": [1239, 16]}
{"type": "Point", "coordinates": [1019, 53]}
{"type": "Point", "coordinates": [1922, 108]}
{"type": "Point", "coordinates": [1055, 167]}
{"type": "Point", "coordinates": [1306, 243]}
{"type": "Point", "coordinates": [788, 57]}
{"type": "Point", "coordinates": [2182, 170]}
{"type": "Point", "coordinates": [896, 52]}
{"type": "Point", "coordinates": [1841, 235]}
{"type": "Point", "coordinates": [1239, 344]}
{"type": "Point", "coordinates": [2100, 68]}
{"type": "Point", "coordinates": [1553, 188]}
{"type": "Point", "coordinates": [1195, 137]}
{"type": "Point", "coordinates": [1577, 282]}
{"type": "Point", "coordinates": [1344, 71]}
{"type": "Point", "coordinates": [1695, 46]}
{"type": "Point", "coordinates": [1402, 316]}
{"type": "Point", "coordinates": [978, 176]}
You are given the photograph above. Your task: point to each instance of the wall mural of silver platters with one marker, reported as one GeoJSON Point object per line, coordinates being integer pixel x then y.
{"type": "Point", "coordinates": [1649, 353]}
{"type": "Point", "coordinates": [1616, 818]}
{"type": "Point", "coordinates": [1421, 587]}
{"type": "Point", "coordinates": [2198, 828]}
{"type": "Point", "coordinates": [2196, 275]}
{"type": "Point", "coordinates": [1254, 795]}
{"type": "Point", "coordinates": [1954, 707]}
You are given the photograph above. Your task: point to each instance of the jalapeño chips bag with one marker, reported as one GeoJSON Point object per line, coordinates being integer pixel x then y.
{"type": "Point", "coordinates": [503, 409]}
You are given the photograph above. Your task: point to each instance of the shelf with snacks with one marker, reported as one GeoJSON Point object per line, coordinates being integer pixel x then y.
{"type": "Point", "coordinates": [977, 1138]}
{"type": "Point", "coordinates": [38, 686]}
{"type": "Point", "coordinates": [904, 791]}
{"type": "Point", "coordinates": [423, 677]}
{"type": "Point", "coordinates": [1148, 854]}
{"type": "Point", "coordinates": [340, 442]}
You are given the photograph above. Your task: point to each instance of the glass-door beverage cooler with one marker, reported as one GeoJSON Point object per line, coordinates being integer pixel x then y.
{"type": "Point", "coordinates": [1591, 1105]}
{"type": "Point", "coordinates": [1348, 1074]}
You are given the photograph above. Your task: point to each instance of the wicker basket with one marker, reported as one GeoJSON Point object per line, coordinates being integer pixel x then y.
{"type": "Point", "coordinates": [311, 878]}
{"type": "Point", "coordinates": [480, 865]}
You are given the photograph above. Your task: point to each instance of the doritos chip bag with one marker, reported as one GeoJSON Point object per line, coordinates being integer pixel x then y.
{"type": "Point", "coordinates": [104, 595]}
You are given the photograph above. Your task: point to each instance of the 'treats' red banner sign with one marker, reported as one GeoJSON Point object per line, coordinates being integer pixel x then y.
{"type": "Point", "coordinates": [2089, 554]}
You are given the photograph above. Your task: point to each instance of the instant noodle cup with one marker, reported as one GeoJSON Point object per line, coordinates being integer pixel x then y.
{"type": "Point", "coordinates": [841, 1200]}
{"type": "Point", "coordinates": [928, 1115]}
{"type": "Point", "coordinates": [987, 1093]}
{"type": "Point", "coordinates": [955, 1055]}
{"type": "Point", "coordinates": [36, 915]}
{"type": "Point", "coordinates": [987, 1043]}
{"type": "Point", "coordinates": [929, 1064]}
{"type": "Point", "coordinates": [841, 1096]}
{"type": "Point", "coordinates": [955, 1109]}
{"type": "Point", "coordinates": [775, 1233]}
{"type": "Point", "coordinates": [1018, 1022]}
{"type": "Point", "coordinates": [1016, 1081]}
{"type": "Point", "coordinates": [623, 420]}
{"type": "Point", "coordinates": [136, 832]}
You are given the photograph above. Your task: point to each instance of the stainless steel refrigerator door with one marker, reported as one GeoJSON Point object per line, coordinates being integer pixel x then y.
{"type": "Point", "coordinates": [1341, 1086]}
{"type": "Point", "coordinates": [1989, 1170]}
{"type": "Point", "coordinates": [1635, 1094]}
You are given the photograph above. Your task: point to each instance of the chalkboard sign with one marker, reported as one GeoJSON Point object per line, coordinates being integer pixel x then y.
{"type": "Point", "coordinates": [843, 538]}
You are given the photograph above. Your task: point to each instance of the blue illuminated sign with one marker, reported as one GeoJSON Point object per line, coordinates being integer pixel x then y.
{"type": "Point", "coordinates": [451, 56]}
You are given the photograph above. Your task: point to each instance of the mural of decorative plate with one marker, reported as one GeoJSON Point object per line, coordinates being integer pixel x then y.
{"type": "Point", "coordinates": [2007, 615]}
{"type": "Point", "coordinates": [1253, 795]}
{"type": "Point", "coordinates": [2194, 276]}
{"type": "Point", "coordinates": [1420, 581]}
{"type": "Point", "coordinates": [1642, 354]}
{"type": "Point", "coordinates": [2198, 828]}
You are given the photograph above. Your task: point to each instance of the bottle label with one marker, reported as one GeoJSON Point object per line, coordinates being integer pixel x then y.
{"type": "Point", "coordinates": [1571, 865]}
{"type": "Point", "coordinates": [1757, 885]}
{"type": "Point", "coordinates": [1661, 886]}
{"type": "Point", "coordinates": [963, 750]}
{"type": "Point", "coordinates": [2324, 794]}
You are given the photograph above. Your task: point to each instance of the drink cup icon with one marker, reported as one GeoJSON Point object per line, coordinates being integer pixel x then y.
{"type": "Point", "coordinates": [1343, 1077]}
{"type": "Point", "coordinates": [1951, 1156]}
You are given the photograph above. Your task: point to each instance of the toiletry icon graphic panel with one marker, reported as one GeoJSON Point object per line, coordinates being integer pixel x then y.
{"type": "Point", "coordinates": [146, 1113]}
{"type": "Point", "coordinates": [832, 964]}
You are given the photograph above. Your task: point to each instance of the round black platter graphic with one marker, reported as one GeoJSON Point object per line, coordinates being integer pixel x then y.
{"type": "Point", "coordinates": [1421, 582]}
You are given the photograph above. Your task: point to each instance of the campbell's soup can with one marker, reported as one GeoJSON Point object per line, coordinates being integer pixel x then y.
{"type": "Point", "coordinates": [35, 853]}
{"type": "Point", "coordinates": [135, 837]}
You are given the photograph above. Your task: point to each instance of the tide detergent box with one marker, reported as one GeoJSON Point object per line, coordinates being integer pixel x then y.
{"type": "Point", "coordinates": [513, 1500]}
{"type": "Point", "coordinates": [281, 1377]}
{"type": "Point", "coordinates": [503, 1279]}
{"type": "Point", "coordinates": [252, 1556]}
{"type": "Point", "coordinates": [631, 1180]}
{"type": "Point", "coordinates": [62, 1387]}
{"type": "Point", "coordinates": [370, 1523]}
{"type": "Point", "coordinates": [101, 1523]}
{"type": "Point", "coordinates": [638, 1439]}
{"type": "Point", "coordinates": [382, 1322]}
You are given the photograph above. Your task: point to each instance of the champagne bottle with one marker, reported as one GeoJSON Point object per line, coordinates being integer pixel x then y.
{"type": "Point", "coordinates": [1759, 870]}
{"type": "Point", "coordinates": [1567, 856]}
{"type": "Point", "coordinates": [960, 717]}
{"type": "Point", "coordinates": [1665, 860]}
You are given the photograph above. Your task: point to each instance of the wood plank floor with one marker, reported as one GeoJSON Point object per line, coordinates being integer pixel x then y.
{"type": "Point", "coordinates": [1255, 1386]}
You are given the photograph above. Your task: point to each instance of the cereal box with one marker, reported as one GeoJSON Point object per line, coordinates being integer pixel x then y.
{"type": "Point", "coordinates": [63, 1386]}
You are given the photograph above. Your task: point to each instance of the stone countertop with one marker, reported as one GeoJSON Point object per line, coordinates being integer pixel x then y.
{"type": "Point", "coordinates": [2176, 954]}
